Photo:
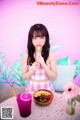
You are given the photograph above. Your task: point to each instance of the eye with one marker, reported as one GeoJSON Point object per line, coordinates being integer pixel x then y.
{"type": "Point", "coordinates": [42, 37]}
{"type": "Point", "coordinates": [34, 37]}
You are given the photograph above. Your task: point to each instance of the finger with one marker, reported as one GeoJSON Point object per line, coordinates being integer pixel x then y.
{"type": "Point", "coordinates": [37, 62]}
{"type": "Point", "coordinates": [39, 57]}
{"type": "Point", "coordinates": [37, 67]}
{"type": "Point", "coordinates": [34, 63]}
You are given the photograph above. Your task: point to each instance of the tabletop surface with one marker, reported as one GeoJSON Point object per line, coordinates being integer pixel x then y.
{"type": "Point", "coordinates": [55, 111]}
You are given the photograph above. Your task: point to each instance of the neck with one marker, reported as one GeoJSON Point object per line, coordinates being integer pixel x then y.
{"type": "Point", "coordinates": [38, 52]}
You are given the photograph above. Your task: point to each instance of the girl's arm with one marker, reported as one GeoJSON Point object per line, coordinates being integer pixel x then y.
{"type": "Point", "coordinates": [25, 73]}
{"type": "Point", "coordinates": [51, 72]}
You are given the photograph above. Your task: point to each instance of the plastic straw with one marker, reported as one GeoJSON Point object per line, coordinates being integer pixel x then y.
{"type": "Point", "coordinates": [14, 92]}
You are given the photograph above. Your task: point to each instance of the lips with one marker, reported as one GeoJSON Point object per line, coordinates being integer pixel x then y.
{"type": "Point", "coordinates": [39, 45]}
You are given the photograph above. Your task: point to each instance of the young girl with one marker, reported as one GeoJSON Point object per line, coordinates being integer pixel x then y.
{"type": "Point", "coordinates": [39, 63]}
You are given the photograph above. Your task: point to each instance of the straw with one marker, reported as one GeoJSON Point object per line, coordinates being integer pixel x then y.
{"type": "Point", "coordinates": [14, 92]}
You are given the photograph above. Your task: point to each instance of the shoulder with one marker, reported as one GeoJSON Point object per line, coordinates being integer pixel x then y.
{"type": "Point", "coordinates": [25, 56]}
{"type": "Point", "coordinates": [52, 56]}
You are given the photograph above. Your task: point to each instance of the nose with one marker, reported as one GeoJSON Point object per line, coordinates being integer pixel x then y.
{"type": "Point", "coordinates": [38, 41]}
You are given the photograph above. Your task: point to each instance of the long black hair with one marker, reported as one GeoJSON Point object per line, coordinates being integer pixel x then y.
{"type": "Point", "coordinates": [40, 30]}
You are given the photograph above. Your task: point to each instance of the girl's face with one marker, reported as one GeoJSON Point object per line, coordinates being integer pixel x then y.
{"type": "Point", "coordinates": [38, 41]}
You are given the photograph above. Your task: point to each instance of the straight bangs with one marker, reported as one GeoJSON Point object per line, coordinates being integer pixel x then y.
{"type": "Point", "coordinates": [39, 33]}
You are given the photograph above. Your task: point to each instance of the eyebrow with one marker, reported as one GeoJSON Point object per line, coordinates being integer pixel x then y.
{"type": "Point", "coordinates": [38, 36]}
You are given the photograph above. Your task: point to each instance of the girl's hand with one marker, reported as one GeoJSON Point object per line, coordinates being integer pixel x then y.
{"type": "Point", "coordinates": [35, 66]}
{"type": "Point", "coordinates": [40, 60]}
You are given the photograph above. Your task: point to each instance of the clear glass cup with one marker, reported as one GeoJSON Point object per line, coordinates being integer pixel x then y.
{"type": "Point", "coordinates": [70, 107]}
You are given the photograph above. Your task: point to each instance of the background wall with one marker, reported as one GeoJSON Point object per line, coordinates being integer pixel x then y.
{"type": "Point", "coordinates": [62, 21]}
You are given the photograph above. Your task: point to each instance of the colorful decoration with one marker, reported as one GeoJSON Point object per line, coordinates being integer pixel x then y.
{"type": "Point", "coordinates": [64, 61]}
{"type": "Point", "coordinates": [16, 74]}
{"type": "Point", "coordinates": [11, 75]}
{"type": "Point", "coordinates": [77, 63]}
{"type": "Point", "coordinates": [71, 90]}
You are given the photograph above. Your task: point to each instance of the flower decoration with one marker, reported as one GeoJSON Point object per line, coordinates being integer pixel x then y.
{"type": "Point", "coordinates": [71, 90]}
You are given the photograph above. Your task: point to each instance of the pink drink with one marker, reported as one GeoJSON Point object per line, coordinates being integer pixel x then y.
{"type": "Point", "coordinates": [24, 104]}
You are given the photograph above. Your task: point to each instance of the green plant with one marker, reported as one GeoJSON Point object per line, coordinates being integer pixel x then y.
{"type": "Point", "coordinates": [54, 47]}
{"type": "Point", "coordinates": [16, 73]}
{"type": "Point", "coordinates": [4, 70]}
{"type": "Point", "coordinates": [77, 63]}
{"type": "Point", "coordinates": [10, 75]}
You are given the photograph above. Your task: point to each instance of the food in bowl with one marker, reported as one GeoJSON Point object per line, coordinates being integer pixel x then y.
{"type": "Point", "coordinates": [43, 97]}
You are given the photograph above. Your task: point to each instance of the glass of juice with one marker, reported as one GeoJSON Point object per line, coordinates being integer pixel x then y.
{"type": "Point", "coordinates": [24, 103]}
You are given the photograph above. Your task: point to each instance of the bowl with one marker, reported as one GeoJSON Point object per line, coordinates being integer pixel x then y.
{"type": "Point", "coordinates": [43, 97]}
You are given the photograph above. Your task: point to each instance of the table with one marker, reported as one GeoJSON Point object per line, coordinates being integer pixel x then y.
{"type": "Point", "coordinates": [55, 111]}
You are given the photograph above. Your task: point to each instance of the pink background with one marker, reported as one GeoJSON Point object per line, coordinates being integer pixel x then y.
{"type": "Point", "coordinates": [62, 22]}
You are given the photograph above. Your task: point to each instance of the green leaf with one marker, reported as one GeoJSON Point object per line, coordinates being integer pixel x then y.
{"type": "Point", "coordinates": [10, 74]}
{"type": "Point", "coordinates": [19, 68]}
{"type": "Point", "coordinates": [21, 54]}
{"type": "Point", "coordinates": [55, 47]}
{"type": "Point", "coordinates": [12, 78]}
{"type": "Point", "coordinates": [64, 61]}
{"type": "Point", "coordinates": [2, 58]}
{"type": "Point", "coordinates": [26, 81]}
{"type": "Point", "coordinates": [77, 62]}
{"type": "Point", "coordinates": [3, 83]}
{"type": "Point", "coordinates": [16, 70]}
{"type": "Point", "coordinates": [4, 69]}
{"type": "Point", "coordinates": [52, 39]}
{"type": "Point", "coordinates": [17, 73]}
{"type": "Point", "coordinates": [16, 76]}
{"type": "Point", "coordinates": [17, 82]}
{"type": "Point", "coordinates": [6, 72]}
{"type": "Point", "coordinates": [1, 52]}
{"type": "Point", "coordinates": [1, 77]}
{"type": "Point", "coordinates": [76, 75]}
